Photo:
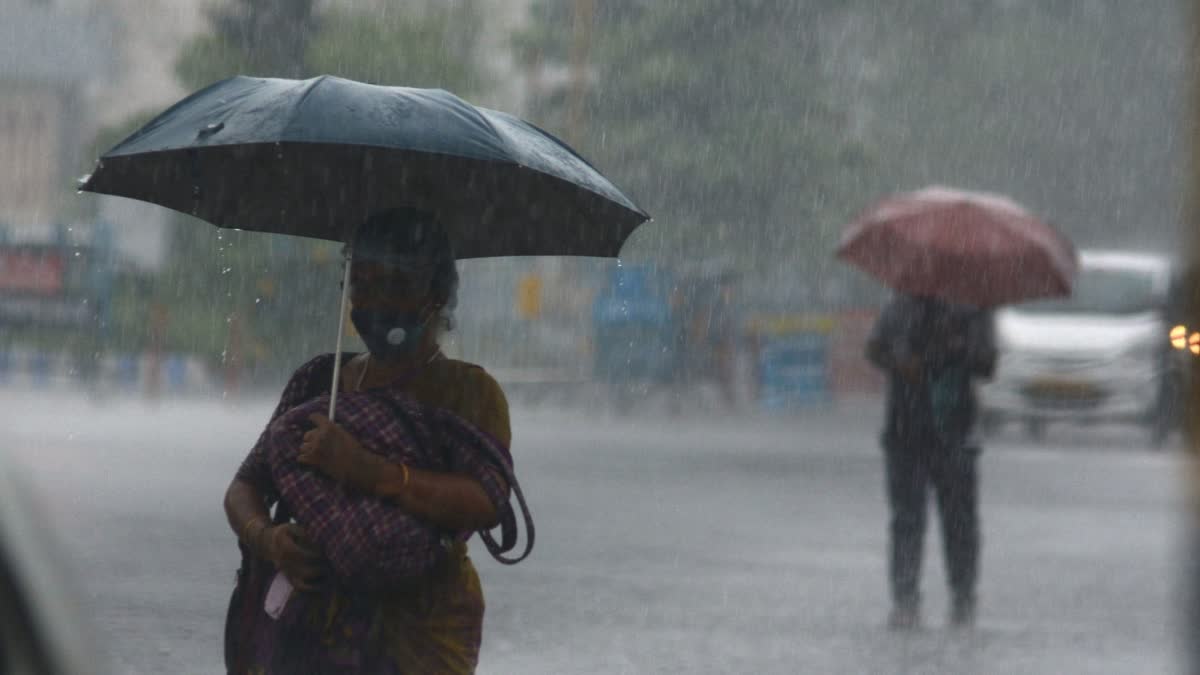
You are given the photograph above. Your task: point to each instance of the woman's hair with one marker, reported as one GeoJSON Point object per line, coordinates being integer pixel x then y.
{"type": "Point", "coordinates": [412, 239]}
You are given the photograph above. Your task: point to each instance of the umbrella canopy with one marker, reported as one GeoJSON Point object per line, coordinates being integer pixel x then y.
{"type": "Point", "coordinates": [966, 247]}
{"type": "Point", "coordinates": [315, 157]}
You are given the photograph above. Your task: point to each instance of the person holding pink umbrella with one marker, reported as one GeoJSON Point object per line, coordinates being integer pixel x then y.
{"type": "Point", "coordinates": [951, 256]}
{"type": "Point", "coordinates": [932, 351]}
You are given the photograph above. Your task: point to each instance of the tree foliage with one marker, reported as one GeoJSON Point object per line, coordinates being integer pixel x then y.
{"type": "Point", "coordinates": [392, 44]}
{"type": "Point", "coordinates": [716, 116]}
{"type": "Point", "coordinates": [757, 128]}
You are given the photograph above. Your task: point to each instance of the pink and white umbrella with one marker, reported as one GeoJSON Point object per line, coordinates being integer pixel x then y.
{"type": "Point", "coordinates": [966, 247]}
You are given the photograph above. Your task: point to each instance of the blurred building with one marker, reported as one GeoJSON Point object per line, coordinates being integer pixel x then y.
{"type": "Point", "coordinates": [69, 68]}
{"type": "Point", "coordinates": [52, 63]}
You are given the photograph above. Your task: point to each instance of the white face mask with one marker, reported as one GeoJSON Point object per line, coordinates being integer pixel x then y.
{"type": "Point", "coordinates": [390, 334]}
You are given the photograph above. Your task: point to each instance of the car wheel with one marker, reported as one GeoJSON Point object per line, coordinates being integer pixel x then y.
{"type": "Point", "coordinates": [1160, 428]}
{"type": "Point", "coordinates": [1035, 429]}
{"type": "Point", "coordinates": [622, 401]}
{"type": "Point", "coordinates": [1158, 435]}
{"type": "Point", "coordinates": [1166, 416]}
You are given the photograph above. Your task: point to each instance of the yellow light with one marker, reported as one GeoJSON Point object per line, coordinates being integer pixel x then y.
{"type": "Point", "coordinates": [1179, 337]}
{"type": "Point", "coordinates": [1194, 343]}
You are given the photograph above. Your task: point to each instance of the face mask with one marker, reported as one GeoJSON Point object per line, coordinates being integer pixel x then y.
{"type": "Point", "coordinates": [389, 333]}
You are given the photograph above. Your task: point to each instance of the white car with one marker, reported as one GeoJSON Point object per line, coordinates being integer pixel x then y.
{"type": "Point", "coordinates": [1102, 355]}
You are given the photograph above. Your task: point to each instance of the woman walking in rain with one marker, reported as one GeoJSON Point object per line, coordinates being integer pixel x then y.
{"type": "Point", "coordinates": [932, 351]}
{"type": "Point", "coordinates": [399, 613]}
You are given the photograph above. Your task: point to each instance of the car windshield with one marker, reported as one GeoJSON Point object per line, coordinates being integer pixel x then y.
{"type": "Point", "coordinates": [1104, 290]}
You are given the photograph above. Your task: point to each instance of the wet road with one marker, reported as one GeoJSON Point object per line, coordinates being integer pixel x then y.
{"type": "Point", "coordinates": [713, 546]}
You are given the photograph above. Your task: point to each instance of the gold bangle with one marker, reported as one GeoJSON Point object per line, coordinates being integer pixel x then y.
{"type": "Point", "coordinates": [246, 536]}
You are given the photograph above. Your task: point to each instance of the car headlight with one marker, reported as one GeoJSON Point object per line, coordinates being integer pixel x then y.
{"type": "Point", "coordinates": [1179, 337]}
{"type": "Point", "coordinates": [1184, 339]}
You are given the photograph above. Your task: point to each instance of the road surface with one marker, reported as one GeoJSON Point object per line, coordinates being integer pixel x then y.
{"type": "Point", "coordinates": [701, 545]}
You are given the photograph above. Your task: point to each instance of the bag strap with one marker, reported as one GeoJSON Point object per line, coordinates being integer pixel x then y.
{"type": "Point", "coordinates": [508, 521]}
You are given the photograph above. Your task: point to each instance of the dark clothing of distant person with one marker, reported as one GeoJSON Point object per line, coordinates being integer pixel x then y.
{"type": "Point", "coordinates": [932, 351]}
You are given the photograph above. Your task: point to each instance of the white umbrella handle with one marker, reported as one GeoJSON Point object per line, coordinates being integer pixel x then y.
{"type": "Point", "coordinates": [337, 354]}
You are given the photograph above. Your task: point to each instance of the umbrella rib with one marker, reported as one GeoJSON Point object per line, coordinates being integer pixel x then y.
{"type": "Point", "coordinates": [309, 87]}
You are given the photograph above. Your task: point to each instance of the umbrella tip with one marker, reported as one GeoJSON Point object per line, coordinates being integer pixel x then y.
{"type": "Point", "coordinates": [209, 130]}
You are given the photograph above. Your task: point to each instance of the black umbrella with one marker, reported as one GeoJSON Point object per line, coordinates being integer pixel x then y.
{"type": "Point", "coordinates": [315, 157]}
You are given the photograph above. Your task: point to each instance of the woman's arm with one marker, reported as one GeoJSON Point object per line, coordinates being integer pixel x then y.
{"type": "Point", "coordinates": [887, 344]}
{"type": "Point", "coordinates": [449, 500]}
{"type": "Point", "coordinates": [246, 509]}
{"type": "Point", "coordinates": [286, 546]}
{"type": "Point", "coordinates": [981, 346]}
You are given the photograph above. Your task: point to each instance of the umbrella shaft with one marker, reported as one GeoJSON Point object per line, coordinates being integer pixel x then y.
{"type": "Point", "coordinates": [341, 329]}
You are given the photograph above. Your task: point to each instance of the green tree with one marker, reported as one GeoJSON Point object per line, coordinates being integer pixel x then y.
{"type": "Point", "coordinates": [434, 47]}
{"type": "Point", "coordinates": [392, 44]}
{"type": "Point", "coordinates": [268, 38]}
{"type": "Point", "coordinates": [1071, 108]}
{"type": "Point", "coordinates": [715, 116]}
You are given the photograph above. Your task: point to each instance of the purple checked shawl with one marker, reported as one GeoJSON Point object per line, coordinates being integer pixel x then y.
{"type": "Point", "coordinates": [370, 543]}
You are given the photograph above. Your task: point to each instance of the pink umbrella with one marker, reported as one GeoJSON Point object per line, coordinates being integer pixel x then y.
{"type": "Point", "coordinates": [966, 247]}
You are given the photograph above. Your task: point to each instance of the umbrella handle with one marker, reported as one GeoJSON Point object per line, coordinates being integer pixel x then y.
{"type": "Point", "coordinates": [337, 354]}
